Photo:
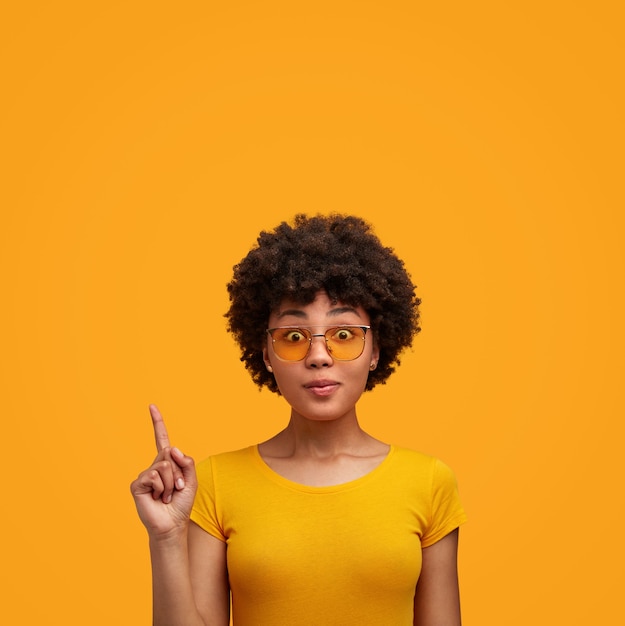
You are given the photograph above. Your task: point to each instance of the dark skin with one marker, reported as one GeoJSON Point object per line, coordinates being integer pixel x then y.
{"type": "Point", "coordinates": [322, 444]}
{"type": "Point", "coordinates": [182, 553]}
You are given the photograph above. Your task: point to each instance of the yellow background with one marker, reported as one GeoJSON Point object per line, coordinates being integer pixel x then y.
{"type": "Point", "coordinates": [144, 147]}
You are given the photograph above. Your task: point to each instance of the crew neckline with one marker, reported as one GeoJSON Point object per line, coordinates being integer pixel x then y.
{"type": "Point", "coordinates": [351, 484]}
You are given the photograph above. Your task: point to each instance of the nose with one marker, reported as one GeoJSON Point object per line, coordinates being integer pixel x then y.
{"type": "Point", "coordinates": [318, 355]}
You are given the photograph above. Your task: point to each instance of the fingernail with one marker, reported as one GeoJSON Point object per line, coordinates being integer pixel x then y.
{"type": "Point", "coordinates": [177, 451]}
{"type": "Point", "coordinates": [180, 483]}
{"type": "Point", "coordinates": [168, 499]}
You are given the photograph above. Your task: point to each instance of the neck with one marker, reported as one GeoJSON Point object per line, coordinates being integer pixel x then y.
{"type": "Point", "coordinates": [322, 438]}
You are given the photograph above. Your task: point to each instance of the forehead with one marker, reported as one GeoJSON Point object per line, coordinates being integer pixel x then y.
{"type": "Point", "coordinates": [322, 308]}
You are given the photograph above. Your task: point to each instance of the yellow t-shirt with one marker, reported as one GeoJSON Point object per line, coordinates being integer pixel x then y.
{"type": "Point", "coordinates": [344, 555]}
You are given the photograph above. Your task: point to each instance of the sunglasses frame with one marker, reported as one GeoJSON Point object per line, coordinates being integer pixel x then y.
{"type": "Point", "coordinates": [307, 332]}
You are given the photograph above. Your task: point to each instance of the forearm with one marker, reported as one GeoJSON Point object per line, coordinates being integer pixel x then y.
{"type": "Point", "coordinates": [172, 594]}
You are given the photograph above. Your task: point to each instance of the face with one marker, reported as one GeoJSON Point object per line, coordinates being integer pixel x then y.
{"type": "Point", "coordinates": [320, 387]}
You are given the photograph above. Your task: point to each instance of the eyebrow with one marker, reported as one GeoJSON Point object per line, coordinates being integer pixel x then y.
{"type": "Point", "coordinates": [332, 313]}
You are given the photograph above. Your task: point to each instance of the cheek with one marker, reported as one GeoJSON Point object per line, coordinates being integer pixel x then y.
{"type": "Point", "coordinates": [288, 385]}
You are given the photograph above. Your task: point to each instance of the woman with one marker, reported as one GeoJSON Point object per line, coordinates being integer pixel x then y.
{"type": "Point", "coordinates": [322, 524]}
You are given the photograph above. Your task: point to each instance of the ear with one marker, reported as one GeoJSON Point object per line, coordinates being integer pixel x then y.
{"type": "Point", "coordinates": [266, 360]}
{"type": "Point", "coordinates": [375, 357]}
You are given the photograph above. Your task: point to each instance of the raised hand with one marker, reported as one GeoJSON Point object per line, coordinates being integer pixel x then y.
{"type": "Point", "coordinates": [165, 491]}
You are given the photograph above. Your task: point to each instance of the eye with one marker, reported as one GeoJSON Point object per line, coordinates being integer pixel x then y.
{"type": "Point", "coordinates": [294, 336]}
{"type": "Point", "coordinates": [342, 334]}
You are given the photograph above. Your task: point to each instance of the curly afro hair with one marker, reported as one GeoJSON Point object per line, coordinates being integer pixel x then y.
{"type": "Point", "coordinates": [338, 254]}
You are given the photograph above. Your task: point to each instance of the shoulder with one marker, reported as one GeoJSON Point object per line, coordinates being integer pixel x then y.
{"type": "Point", "coordinates": [223, 467]}
{"type": "Point", "coordinates": [415, 459]}
{"type": "Point", "coordinates": [222, 460]}
{"type": "Point", "coordinates": [425, 467]}
{"type": "Point", "coordinates": [408, 455]}
{"type": "Point", "coordinates": [231, 456]}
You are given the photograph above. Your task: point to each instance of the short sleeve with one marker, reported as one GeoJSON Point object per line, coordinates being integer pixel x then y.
{"type": "Point", "coordinates": [204, 512]}
{"type": "Point", "coordinates": [446, 512]}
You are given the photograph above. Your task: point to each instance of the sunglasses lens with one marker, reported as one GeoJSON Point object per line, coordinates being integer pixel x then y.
{"type": "Point", "coordinates": [346, 343]}
{"type": "Point", "coordinates": [291, 344]}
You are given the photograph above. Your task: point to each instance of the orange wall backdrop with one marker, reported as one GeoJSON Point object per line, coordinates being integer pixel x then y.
{"type": "Point", "coordinates": [144, 147]}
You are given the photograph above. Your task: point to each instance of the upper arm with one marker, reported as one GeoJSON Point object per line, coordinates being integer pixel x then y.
{"type": "Point", "coordinates": [437, 598]}
{"type": "Point", "coordinates": [209, 576]}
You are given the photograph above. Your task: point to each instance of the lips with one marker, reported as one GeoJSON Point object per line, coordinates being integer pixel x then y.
{"type": "Point", "coordinates": [322, 387]}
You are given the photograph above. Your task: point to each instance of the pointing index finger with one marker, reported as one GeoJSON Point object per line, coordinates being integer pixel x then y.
{"type": "Point", "coordinates": [160, 432]}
